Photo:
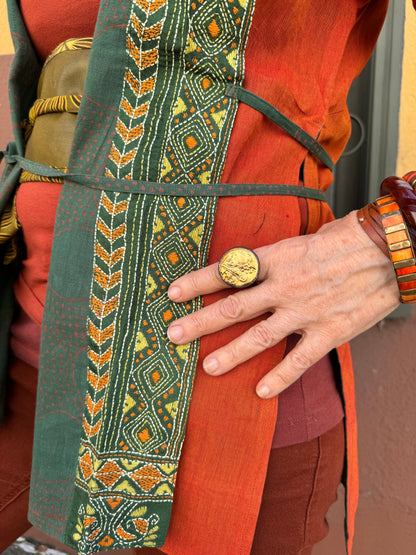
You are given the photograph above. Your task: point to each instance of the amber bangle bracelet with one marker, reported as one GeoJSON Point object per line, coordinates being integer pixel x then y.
{"type": "Point", "coordinates": [405, 196]}
{"type": "Point", "coordinates": [400, 247]}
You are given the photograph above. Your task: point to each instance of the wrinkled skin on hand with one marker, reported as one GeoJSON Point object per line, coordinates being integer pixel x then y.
{"type": "Point", "coordinates": [327, 287]}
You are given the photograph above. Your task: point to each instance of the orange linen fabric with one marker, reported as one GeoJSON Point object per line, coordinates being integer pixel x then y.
{"type": "Point", "coordinates": [76, 19]}
{"type": "Point", "coordinates": [301, 57]}
{"type": "Point", "coordinates": [36, 205]}
{"type": "Point", "coordinates": [230, 429]}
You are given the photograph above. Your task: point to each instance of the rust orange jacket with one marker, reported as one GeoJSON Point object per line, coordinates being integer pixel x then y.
{"type": "Point", "coordinates": [301, 57]}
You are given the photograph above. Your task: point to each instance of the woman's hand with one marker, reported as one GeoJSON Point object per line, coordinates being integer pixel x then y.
{"type": "Point", "coordinates": [328, 287]}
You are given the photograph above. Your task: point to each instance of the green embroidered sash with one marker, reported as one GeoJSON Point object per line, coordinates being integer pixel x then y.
{"type": "Point", "coordinates": [171, 123]}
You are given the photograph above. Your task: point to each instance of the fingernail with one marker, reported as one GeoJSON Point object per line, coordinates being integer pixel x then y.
{"type": "Point", "coordinates": [210, 365]}
{"type": "Point", "coordinates": [174, 293]}
{"type": "Point", "coordinates": [175, 333]}
{"type": "Point", "coordinates": [263, 391]}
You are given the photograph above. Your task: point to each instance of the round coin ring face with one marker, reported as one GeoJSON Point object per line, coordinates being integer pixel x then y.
{"type": "Point", "coordinates": [239, 267]}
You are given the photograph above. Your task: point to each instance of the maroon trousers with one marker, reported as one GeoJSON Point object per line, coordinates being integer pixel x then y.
{"type": "Point", "coordinates": [300, 486]}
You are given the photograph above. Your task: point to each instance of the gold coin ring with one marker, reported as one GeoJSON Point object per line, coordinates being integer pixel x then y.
{"type": "Point", "coordinates": [239, 267]}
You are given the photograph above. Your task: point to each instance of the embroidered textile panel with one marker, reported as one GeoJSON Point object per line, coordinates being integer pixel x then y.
{"type": "Point", "coordinates": [173, 124]}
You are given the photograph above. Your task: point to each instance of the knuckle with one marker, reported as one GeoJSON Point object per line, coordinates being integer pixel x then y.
{"type": "Point", "coordinates": [262, 335]}
{"type": "Point", "coordinates": [230, 308]}
{"type": "Point", "coordinates": [193, 281]}
{"type": "Point", "coordinates": [285, 380]}
{"type": "Point", "coordinates": [301, 360]}
{"type": "Point", "coordinates": [233, 354]}
{"type": "Point", "coordinates": [196, 322]}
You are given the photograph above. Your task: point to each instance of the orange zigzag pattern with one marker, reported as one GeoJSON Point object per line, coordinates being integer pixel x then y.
{"type": "Point", "coordinates": [106, 282]}
{"type": "Point", "coordinates": [110, 258]}
{"type": "Point", "coordinates": [91, 431]}
{"type": "Point", "coordinates": [134, 112]}
{"type": "Point", "coordinates": [146, 33]}
{"type": "Point", "coordinates": [93, 408]}
{"type": "Point", "coordinates": [150, 6]}
{"type": "Point", "coordinates": [96, 382]}
{"type": "Point", "coordinates": [113, 208]}
{"type": "Point", "coordinates": [129, 134]}
{"type": "Point", "coordinates": [128, 129]}
{"type": "Point", "coordinates": [111, 234]}
{"type": "Point", "coordinates": [106, 278]}
{"type": "Point", "coordinates": [101, 308]}
{"type": "Point", "coordinates": [100, 336]}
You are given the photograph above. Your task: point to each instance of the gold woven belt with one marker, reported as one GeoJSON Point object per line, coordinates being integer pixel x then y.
{"type": "Point", "coordinates": [50, 126]}
{"type": "Point", "coordinates": [51, 122]}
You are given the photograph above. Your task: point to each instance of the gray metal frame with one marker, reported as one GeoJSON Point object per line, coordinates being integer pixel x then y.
{"type": "Point", "coordinates": [374, 103]}
{"type": "Point", "coordinates": [385, 98]}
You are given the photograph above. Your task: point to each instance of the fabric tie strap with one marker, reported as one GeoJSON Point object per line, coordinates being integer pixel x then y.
{"type": "Point", "coordinates": [268, 110]}
{"type": "Point", "coordinates": [161, 188]}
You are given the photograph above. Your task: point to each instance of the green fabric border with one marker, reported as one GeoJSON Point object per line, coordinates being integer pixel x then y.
{"type": "Point", "coordinates": [161, 188]}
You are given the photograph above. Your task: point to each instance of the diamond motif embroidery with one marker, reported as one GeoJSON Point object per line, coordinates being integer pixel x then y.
{"type": "Point", "coordinates": [174, 124]}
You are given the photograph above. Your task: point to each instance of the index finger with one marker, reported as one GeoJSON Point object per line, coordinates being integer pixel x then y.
{"type": "Point", "coordinates": [201, 282]}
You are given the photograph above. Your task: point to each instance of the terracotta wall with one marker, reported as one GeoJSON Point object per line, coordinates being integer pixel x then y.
{"type": "Point", "coordinates": [385, 365]}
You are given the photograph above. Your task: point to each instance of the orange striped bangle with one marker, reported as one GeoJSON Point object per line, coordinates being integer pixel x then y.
{"type": "Point", "coordinates": [400, 247]}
